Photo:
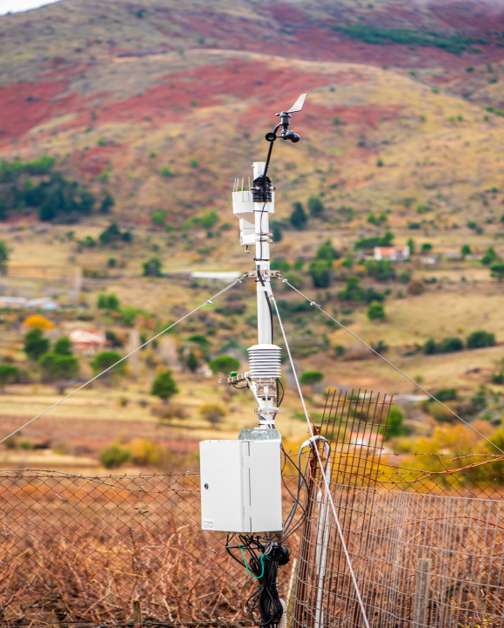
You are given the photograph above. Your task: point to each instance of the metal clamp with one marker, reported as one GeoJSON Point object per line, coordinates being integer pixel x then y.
{"type": "Point", "coordinates": [264, 274]}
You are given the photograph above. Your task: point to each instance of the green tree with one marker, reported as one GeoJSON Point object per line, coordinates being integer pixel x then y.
{"type": "Point", "coordinates": [320, 273]}
{"type": "Point", "coordinates": [298, 217]}
{"type": "Point", "coordinates": [489, 257]}
{"type": "Point", "coordinates": [497, 271]}
{"type": "Point", "coordinates": [451, 345]}
{"type": "Point", "coordinates": [224, 364]}
{"type": "Point", "coordinates": [192, 362]}
{"type": "Point", "coordinates": [63, 346]}
{"type": "Point", "coordinates": [327, 252]}
{"type": "Point", "coordinates": [309, 378]}
{"type": "Point", "coordinates": [105, 360]}
{"type": "Point", "coordinates": [108, 302]}
{"type": "Point", "coordinates": [426, 247]}
{"type": "Point", "coordinates": [276, 231]}
{"type": "Point", "coordinates": [164, 386]}
{"type": "Point", "coordinates": [159, 217]}
{"type": "Point", "coordinates": [152, 268]}
{"type": "Point", "coordinates": [315, 206]}
{"type": "Point", "coordinates": [480, 339]}
{"type": "Point", "coordinates": [113, 234]}
{"type": "Point", "coordinates": [382, 269]}
{"type": "Point", "coordinates": [35, 344]}
{"type": "Point", "coordinates": [107, 203]}
{"type": "Point", "coordinates": [8, 374]}
{"type": "Point", "coordinates": [411, 246]}
{"type": "Point", "coordinates": [58, 367]}
{"type": "Point", "coordinates": [376, 311]}
{"type": "Point", "coordinates": [209, 219]}
{"type": "Point", "coordinates": [465, 250]}
{"type": "Point", "coordinates": [395, 425]}
{"type": "Point", "coordinates": [114, 456]}
{"type": "Point", "coordinates": [4, 255]}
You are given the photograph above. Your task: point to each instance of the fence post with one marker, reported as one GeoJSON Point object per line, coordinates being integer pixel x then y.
{"type": "Point", "coordinates": [421, 597]}
{"type": "Point", "coordinates": [291, 593]}
{"type": "Point", "coordinates": [137, 614]}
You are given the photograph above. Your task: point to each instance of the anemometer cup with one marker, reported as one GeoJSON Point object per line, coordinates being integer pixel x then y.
{"type": "Point", "coordinates": [290, 135]}
{"type": "Point", "coordinates": [270, 137]}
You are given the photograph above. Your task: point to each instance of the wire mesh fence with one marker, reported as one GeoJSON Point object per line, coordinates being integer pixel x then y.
{"type": "Point", "coordinates": [75, 549]}
{"type": "Point", "coordinates": [424, 534]}
{"type": "Point", "coordinates": [426, 543]}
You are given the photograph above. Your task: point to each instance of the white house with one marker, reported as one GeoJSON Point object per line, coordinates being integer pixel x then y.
{"type": "Point", "coordinates": [392, 253]}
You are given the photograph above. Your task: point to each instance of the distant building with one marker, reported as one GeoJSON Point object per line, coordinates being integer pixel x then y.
{"type": "Point", "coordinates": [392, 253]}
{"type": "Point", "coordinates": [15, 303]}
{"type": "Point", "coordinates": [363, 439]}
{"type": "Point", "coordinates": [89, 341]}
{"type": "Point", "coordinates": [21, 303]}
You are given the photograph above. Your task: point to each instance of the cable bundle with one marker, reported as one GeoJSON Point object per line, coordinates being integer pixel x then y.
{"type": "Point", "coordinates": [262, 565]}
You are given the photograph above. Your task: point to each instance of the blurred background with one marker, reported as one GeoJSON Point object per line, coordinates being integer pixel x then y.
{"type": "Point", "coordinates": [122, 128]}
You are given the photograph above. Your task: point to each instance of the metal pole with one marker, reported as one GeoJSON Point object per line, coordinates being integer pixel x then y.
{"type": "Point", "coordinates": [262, 253]}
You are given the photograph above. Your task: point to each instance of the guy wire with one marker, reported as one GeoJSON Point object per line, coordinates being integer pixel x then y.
{"type": "Point", "coordinates": [323, 471]}
{"type": "Point", "coordinates": [396, 368]}
{"type": "Point", "coordinates": [208, 301]}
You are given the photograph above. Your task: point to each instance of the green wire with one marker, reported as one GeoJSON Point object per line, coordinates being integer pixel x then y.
{"type": "Point", "coordinates": [261, 558]}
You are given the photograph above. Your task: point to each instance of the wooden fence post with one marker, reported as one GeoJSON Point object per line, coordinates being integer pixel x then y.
{"type": "Point", "coordinates": [137, 614]}
{"type": "Point", "coordinates": [421, 597]}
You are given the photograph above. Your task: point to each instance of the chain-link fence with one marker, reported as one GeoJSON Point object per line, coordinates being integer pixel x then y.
{"type": "Point", "coordinates": [425, 542]}
{"type": "Point", "coordinates": [425, 538]}
{"type": "Point", "coordinates": [76, 549]}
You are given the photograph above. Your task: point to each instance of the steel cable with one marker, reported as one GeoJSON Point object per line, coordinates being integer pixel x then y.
{"type": "Point", "coordinates": [396, 368]}
{"type": "Point", "coordinates": [208, 301]}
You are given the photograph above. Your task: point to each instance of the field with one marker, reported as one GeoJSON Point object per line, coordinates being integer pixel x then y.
{"type": "Point", "coordinates": [401, 133]}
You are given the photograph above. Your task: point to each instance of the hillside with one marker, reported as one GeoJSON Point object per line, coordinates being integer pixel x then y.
{"type": "Point", "coordinates": [159, 106]}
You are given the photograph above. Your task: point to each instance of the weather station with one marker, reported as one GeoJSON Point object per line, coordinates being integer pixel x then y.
{"type": "Point", "coordinates": [241, 480]}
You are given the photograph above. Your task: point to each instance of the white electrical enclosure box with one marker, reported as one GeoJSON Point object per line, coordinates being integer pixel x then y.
{"type": "Point", "coordinates": [241, 485]}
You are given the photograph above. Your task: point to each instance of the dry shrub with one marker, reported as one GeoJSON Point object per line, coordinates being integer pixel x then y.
{"type": "Point", "coordinates": [172, 411]}
{"type": "Point", "coordinates": [144, 452]}
{"type": "Point", "coordinates": [213, 412]}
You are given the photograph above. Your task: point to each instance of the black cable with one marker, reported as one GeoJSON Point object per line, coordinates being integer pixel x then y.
{"type": "Point", "coordinates": [301, 479]}
{"type": "Point", "coordinates": [279, 400]}
{"type": "Point", "coordinates": [262, 564]}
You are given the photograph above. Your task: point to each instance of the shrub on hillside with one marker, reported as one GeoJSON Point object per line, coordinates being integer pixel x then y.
{"type": "Point", "coordinates": [213, 413]}
{"type": "Point", "coordinates": [58, 367]}
{"type": "Point", "coordinates": [108, 302]}
{"type": "Point", "coordinates": [309, 378]}
{"type": "Point", "coordinates": [164, 386]}
{"type": "Point", "coordinates": [320, 273]}
{"type": "Point", "coordinates": [381, 270]}
{"type": "Point", "coordinates": [376, 311]}
{"type": "Point", "coordinates": [114, 456]}
{"type": "Point", "coordinates": [497, 270]}
{"type": "Point", "coordinates": [416, 287]}
{"type": "Point", "coordinates": [224, 364]}
{"type": "Point", "coordinates": [298, 217]}
{"type": "Point", "coordinates": [152, 268]}
{"type": "Point", "coordinates": [105, 360]}
{"type": "Point", "coordinates": [4, 254]}
{"type": "Point", "coordinates": [480, 339]}
{"type": "Point", "coordinates": [489, 257]}
{"type": "Point", "coordinates": [35, 344]}
{"type": "Point", "coordinates": [8, 375]}
{"type": "Point", "coordinates": [395, 426]}
{"type": "Point", "coordinates": [113, 234]}
{"type": "Point", "coordinates": [315, 206]}
{"type": "Point", "coordinates": [369, 243]}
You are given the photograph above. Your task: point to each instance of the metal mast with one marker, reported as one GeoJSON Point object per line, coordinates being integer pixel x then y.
{"type": "Point", "coordinates": [253, 207]}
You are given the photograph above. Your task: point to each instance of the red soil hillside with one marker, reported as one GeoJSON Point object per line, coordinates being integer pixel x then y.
{"type": "Point", "coordinates": [116, 90]}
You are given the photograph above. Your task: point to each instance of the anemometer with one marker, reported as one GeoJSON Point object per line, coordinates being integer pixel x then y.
{"type": "Point", "coordinates": [241, 479]}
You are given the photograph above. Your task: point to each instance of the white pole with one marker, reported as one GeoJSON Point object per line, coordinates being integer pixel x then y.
{"type": "Point", "coordinates": [262, 253]}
